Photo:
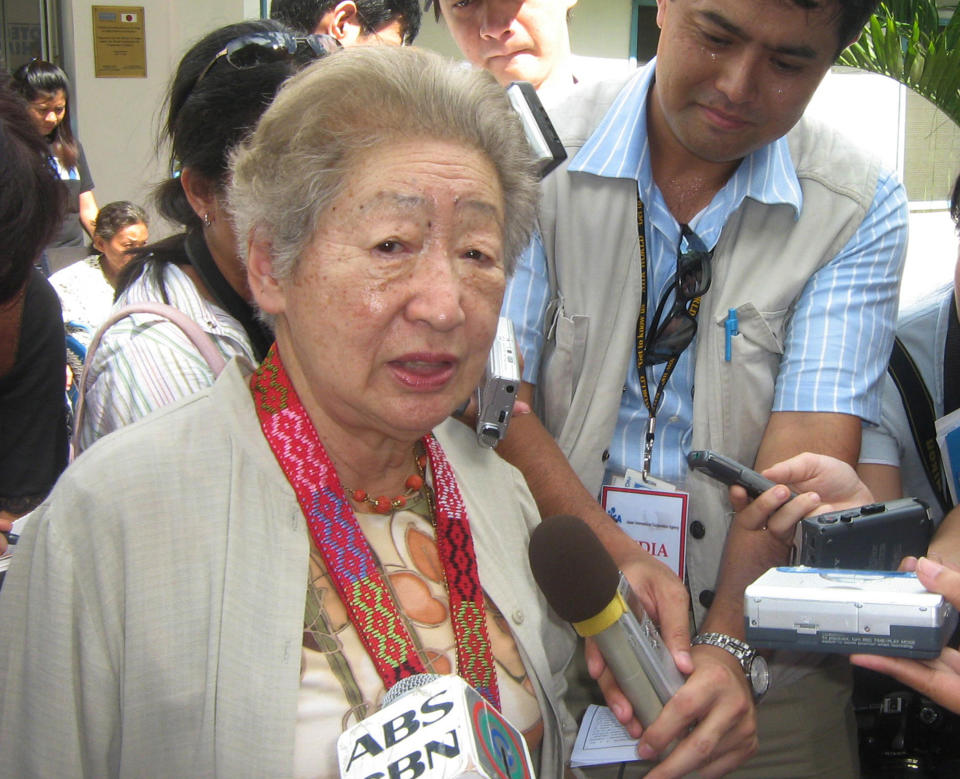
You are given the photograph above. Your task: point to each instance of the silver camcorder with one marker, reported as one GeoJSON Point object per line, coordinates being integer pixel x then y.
{"type": "Point", "coordinates": [501, 381]}
{"type": "Point", "coordinates": [843, 611]}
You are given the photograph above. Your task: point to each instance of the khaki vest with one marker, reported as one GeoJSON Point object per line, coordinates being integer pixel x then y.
{"type": "Point", "coordinates": [761, 263]}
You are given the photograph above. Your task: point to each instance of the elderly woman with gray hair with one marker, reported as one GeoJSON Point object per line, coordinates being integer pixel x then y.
{"type": "Point", "coordinates": [192, 598]}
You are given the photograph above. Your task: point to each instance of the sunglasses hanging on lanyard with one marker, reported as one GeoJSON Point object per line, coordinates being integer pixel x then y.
{"type": "Point", "coordinates": [672, 329]}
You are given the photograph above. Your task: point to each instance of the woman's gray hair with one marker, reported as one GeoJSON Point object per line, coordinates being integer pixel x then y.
{"type": "Point", "coordinates": [323, 120]}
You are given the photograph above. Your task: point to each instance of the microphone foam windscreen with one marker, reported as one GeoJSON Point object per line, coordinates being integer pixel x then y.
{"type": "Point", "coordinates": [405, 685]}
{"type": "Point", "coordinates": [576, 574]}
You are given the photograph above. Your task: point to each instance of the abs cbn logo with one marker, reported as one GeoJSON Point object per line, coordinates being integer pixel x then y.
{"type": "Point", "coordinates": [444, 729]}
{"type": "Point", "coordinates": [441, 744]}
{"type": "Point", "coordinates": [499, 743]}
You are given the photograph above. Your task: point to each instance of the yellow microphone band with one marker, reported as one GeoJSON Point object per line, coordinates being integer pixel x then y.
{"type": "Point", "coordinates": [610, 614]}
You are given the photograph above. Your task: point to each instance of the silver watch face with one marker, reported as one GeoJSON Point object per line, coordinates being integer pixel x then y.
{"type": "Point", "coordinates": [759, 675]}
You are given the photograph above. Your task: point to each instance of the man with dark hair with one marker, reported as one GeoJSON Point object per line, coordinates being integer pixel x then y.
{"type": "Point", "coordinates": [516, 40]}
{"type": "Point", "coordinates": [352, 21]}
{"type": "Point", "coordinates": [703, 235]}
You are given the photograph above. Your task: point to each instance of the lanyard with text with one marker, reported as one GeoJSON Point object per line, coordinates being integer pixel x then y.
{"type": "Point", "coordinates": [691, 310]}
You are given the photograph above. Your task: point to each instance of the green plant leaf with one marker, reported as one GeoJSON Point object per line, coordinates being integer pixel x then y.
{"type": "Point", "coordinates": [904, 40]}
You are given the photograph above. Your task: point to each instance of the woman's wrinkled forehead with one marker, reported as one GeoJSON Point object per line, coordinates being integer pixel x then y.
{"type": "Point", "coordinates": [402, 175]}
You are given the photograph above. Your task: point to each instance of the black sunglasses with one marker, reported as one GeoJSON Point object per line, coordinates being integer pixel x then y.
{"type": "Point", "coordinates": [259, 48]}
{"type": "Point", "coordinates": [674, 332]}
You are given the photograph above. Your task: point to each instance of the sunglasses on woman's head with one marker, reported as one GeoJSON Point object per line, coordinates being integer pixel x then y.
{"type": "Point", "coordinates": [259, 48]}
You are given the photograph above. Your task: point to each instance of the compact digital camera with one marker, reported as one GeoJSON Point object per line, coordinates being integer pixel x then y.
{"type": "Point", "coordinates": [542, 137]}
{"type": "Point", "coordinates": [496, 394]}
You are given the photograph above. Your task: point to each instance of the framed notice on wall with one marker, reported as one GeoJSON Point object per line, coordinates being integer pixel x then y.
{"type": "Point", "coordinates": [119, 41]}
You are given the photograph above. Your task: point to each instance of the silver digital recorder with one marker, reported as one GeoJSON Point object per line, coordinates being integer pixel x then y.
{"type": "Point", "coordinates": [843, 611]}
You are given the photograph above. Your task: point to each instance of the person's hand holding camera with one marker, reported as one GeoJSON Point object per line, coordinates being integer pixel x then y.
{"type": "Point", "coordinates": [937, 679]}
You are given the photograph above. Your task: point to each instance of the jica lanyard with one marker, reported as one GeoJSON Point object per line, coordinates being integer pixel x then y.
{"type": "Point", "coordinates": [673, 332]}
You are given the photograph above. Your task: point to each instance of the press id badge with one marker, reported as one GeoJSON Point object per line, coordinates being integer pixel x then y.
{"type": "Point", "coordinates": [653, 513]}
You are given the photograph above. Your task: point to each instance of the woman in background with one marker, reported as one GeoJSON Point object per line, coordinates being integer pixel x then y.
{"type": "Point", "coordinates": [223, 84]}
{"type": "Point", "coordinates": [47, 91]}
{"type": "Point", "coordinates": [86, 289]}
{"type": "Point", "coordinates": [33, 425]}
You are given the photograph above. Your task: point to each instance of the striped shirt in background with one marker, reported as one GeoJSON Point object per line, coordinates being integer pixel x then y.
{"type": "Point", "coordinates": [145, 362]}
{"type": "Point", "coordinates": [850, 304]}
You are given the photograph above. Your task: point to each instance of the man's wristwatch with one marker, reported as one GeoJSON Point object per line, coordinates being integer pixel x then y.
{"type": "Point", "coordinates": [753, 665]}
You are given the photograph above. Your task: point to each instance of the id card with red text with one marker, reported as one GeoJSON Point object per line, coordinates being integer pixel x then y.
{"type": "Point", "coordinates": [655, 519]}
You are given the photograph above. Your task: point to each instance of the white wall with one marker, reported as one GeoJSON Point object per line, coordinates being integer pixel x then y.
{"type": "Point", "coordinates": [118, 118]}
{"type": "Point", "coordinates": [601, 28]}
{"type": "Point", "coordinates": [435, 36]}
{"type": "Point", "coordinates": [865, 107]}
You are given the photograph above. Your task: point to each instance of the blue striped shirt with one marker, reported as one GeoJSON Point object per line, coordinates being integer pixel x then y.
{"type": "Point", "coordinates": [836, 347]}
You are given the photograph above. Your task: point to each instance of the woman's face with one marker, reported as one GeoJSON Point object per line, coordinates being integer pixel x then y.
{"type": "Point", "coordinates": [47, 111]}
{"type": "Point", "coordinates": [389, 317]}
{"type": "Point", "coordinates": [116, 251]}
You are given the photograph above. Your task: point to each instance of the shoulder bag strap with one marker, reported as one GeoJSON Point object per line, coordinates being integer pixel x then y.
{"type": "Point", "coordinates": [921, 416]}
{"type": "Point", "coordinates": [951, 362]}
{"type": "Point", "coordinates": [226, 296]}
{"type": "Point", "coordinates": [200, 339]}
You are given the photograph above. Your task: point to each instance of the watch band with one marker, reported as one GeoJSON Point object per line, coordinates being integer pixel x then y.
{"type": "Point", "coordinates": [754, 666]}
{"type": "Point", "coordinates": [739, 649]}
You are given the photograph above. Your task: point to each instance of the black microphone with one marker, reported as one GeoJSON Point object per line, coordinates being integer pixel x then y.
{"type": "Point", "coordinates": [582, 584]}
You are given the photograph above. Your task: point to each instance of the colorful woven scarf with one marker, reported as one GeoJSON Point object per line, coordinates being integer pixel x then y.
{"type": "Point", "coordinates": [348, 557]}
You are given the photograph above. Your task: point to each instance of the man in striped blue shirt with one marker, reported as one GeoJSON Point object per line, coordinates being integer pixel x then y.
{"type": "Point", "coordinates": [807, 239]}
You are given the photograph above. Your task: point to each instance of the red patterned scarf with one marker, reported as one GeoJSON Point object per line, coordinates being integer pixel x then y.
{"type": "Point", "coordinates": [337, 535]}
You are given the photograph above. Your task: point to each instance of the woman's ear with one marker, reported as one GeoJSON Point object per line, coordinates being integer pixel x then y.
{"type": "Point", "coordinates": [201, 195]}
{"type": "Point", "coordinates": [266, 290]}
{"type": "Point", "coordinates": [99, 244]}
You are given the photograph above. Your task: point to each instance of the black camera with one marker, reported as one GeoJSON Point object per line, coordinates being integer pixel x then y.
{"type": "Point", "coordinates": [875, 537]}
{"type": "Point", "coordinates": [902, 733]}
